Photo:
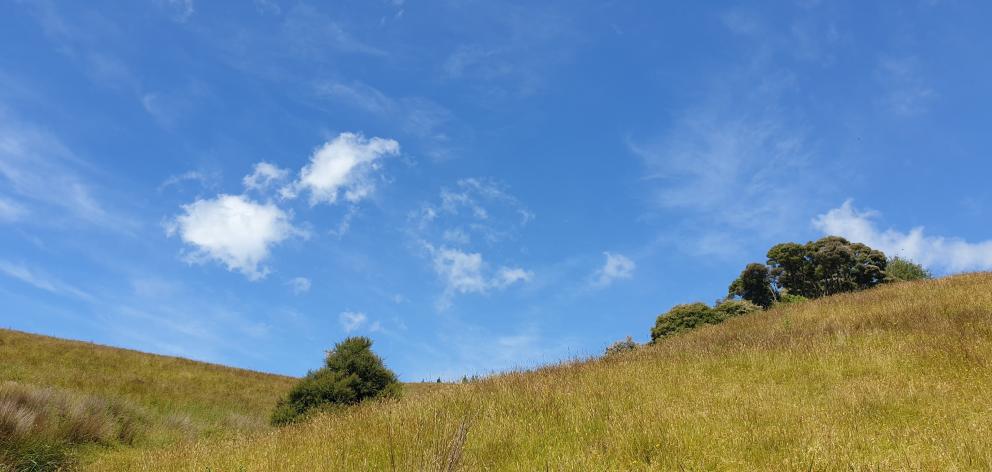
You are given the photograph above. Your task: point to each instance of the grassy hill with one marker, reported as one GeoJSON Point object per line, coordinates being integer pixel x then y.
{"type": "Point", "coordinates": [895, 378]}
{"type": "Point", "coordinates": [172, 398]}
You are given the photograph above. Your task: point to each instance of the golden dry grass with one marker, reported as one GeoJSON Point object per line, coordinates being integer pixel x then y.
{"type": "Point", "coordinates": [895, 378]}
{"type": "Point", "coordinates": [180, 398]}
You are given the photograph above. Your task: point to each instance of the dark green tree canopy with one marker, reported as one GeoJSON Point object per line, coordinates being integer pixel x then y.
{"type": "Point", "coordinates": [351, 373]}
{"type": "Point", "coordinates": [754, 285]}
{"type": "Point", "coordinates": [824, 267]}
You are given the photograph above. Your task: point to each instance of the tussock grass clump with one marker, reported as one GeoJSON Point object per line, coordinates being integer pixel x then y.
{"type": "Point", "coordinates": [892, 378]}
{"type": "Point", "coordinates": [39, 426]}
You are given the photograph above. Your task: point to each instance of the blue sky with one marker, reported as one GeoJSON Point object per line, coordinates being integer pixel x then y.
{"type": "Point", "coordinates": [477, 186]}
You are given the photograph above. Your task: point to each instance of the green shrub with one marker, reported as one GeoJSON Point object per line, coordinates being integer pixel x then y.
{"type": "Point", "coordinates": [786, 298]}
{"type": "Point", "coordinates": [684, 318]}
{"type": "Point", "coordinates": [732, 308]}
{"type": "Point", "coordinates": [351, 373]}
{"type": "Point", "coordinates": [899, 269]}
{"type": "Point", "coordinates": [624, 345]}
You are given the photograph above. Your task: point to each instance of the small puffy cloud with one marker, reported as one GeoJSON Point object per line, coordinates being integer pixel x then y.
{"type": "Point", "coordinates": [352, 320]}
{"type": "Point", "coordinates": [299, 285]}
{"type": "Point", "coordinates": [232, 230]}
{"type": "Point", "coordinates": [465, 272]}
{"type": "Point", "coordinates": [948, 254]}
{"type": "Point", "coordinates": [264, 176]}
{"type": "Point", "coordinates": [617, 266]}
{"type": "Point", "coordinates": [344, 166]}
{"type": "Point", "coordinates": [461, 271]}
{"type": "Point", "coordinates": [510, 275]}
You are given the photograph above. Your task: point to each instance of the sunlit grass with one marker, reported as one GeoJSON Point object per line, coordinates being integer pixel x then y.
{"type": "Point", "coordinates": [180, 398]}
{"type": "Point", "coordinates": [895, 378]}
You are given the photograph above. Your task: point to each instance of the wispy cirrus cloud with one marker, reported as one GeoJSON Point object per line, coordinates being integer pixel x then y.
{"type": "Point", "coordinates": [42, 175]}
{"type": "Point", "coordinates": [741, 164]}
{"type": "Point", "coordinates": [729, 173]}
{"type": "Point", "coordinates": [42, 281]}
{"type": "Point", "coordinates": [906, 92]}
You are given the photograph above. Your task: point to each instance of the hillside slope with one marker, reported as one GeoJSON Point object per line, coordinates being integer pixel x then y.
{"type": "Point", "coordinates": [893, 378]}
{"type": "Point", "coordinates": [183, 398]}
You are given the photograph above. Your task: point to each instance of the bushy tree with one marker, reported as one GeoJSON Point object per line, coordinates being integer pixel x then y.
{"type": "Point", "coordinates": [824, 267]}
{"type": "Point", "coordinates": [899, 269]}
{"type": "Point", "coordinates": [754, 285]}
{"type": "Point", "coordinates": [684, 318]}
{"type": "Point", "coordinates": [731, 308]}
{"type": "Point", "coordinates": [351, 373]}
{"type": "Point", "coordinates": [791, 268]}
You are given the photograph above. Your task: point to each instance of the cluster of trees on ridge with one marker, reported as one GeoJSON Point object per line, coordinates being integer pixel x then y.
{"type": "Point", "coordinates": [794, 272]}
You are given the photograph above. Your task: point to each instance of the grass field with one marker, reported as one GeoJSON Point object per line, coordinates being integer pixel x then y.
{"type": "Point", "coordinates": [895, 378]}
{"type": "Point", "coordinates": [170, 398]}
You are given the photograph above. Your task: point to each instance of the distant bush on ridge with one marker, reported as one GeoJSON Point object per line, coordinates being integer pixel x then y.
{"type": "Point", "coordinates": [686, 317]}
{"type": "Point", "coordinates": [623, 345]}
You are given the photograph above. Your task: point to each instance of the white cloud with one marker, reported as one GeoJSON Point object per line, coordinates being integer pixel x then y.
{"type": "Point", "coordinates": [466, 272]}
{"type": "Point", "coordinates": [343, 166]}
{"type": "Point", "coordinates": [263, 176]}
{"type": "Point", "coordinates": [617, 266]}
{"type": "Point", "coordinates": [233, 230]}
{"type": "Point", "coordinates": [299, 285]}
{"type": "Point", "coordinates": [947, 254]}
{"type": "Point", "coordinates": [352, 320]}
{"type": "Point", "coordinates": [42, 281]}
